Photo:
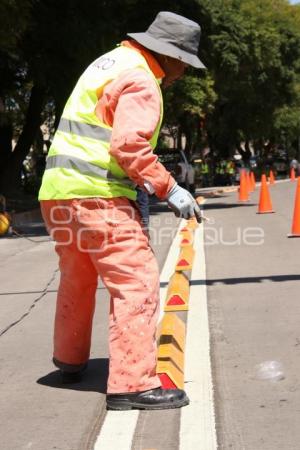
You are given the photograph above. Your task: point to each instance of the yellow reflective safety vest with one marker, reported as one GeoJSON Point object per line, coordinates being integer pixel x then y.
{"type": "Point", "coordinates": [230, 168]}
{"type": "Point", "coordinates": [79, 163]}
{"type": "Point", "coordinates": [204, 168]}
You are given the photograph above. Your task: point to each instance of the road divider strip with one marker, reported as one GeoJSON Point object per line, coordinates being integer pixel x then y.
{"type": "Point", "coordinates": [177, 297]}
{"type": "Point", "coordinates": [186, 258]}
{"type": "Point", "coordinates": [170, 358]}
{"type": "Point", "coordinates": [171, 331]}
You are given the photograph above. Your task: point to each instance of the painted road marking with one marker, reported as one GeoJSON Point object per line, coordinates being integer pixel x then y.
{"type": "Point", "coordinates": [197, 430]}
{"type": "Point", "coordinates": [117, 430]}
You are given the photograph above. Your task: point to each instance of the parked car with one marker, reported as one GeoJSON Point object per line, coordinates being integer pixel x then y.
{"type": "Point", "coordinates": [181, 169]}
{"type": "Point", "coordinates": [281, 165]}
{"type": "Point", "coordinates": [253, 162]}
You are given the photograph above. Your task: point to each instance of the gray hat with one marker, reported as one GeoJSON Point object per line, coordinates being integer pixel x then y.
{"type": "Point", "coordinates": [172, 35]}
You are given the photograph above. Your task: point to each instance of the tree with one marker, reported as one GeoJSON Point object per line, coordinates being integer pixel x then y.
{"type": "Point", "coordinates": [254, 48]}
{"type": "Point", "coordinates": [12, 25]}
{"type": "Point", "coordinates": [187, 104]}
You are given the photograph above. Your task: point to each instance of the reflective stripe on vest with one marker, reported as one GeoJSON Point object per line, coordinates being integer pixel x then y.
{"type": "Point", "coordinates": [85, 167]}
{"type": "Point", "coordinates": [84, 129]}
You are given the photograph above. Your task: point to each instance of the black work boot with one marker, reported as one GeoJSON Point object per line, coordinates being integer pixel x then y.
{"type": "Point", "coordinates": [70, 373]}
{"type": "Point", "coordinates": [153, 399]}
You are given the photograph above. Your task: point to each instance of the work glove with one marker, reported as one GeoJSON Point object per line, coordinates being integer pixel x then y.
{"type": "Point", "coordinates": [183, 203]}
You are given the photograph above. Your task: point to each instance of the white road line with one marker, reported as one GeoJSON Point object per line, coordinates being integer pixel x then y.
{"type": "Point", "coordinates": [118, 427]}
{"type": "Point", "coordinates": [197, 430]}
{"type": "Point", "coordinates": [117, 430]}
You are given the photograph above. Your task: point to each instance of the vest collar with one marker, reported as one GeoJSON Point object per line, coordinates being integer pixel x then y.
{"type": "Point", "coordinates": [151, 61]}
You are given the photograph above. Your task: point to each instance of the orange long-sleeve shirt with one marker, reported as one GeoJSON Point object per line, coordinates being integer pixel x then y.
{"type": "Point", "coordinates": [130, 104]}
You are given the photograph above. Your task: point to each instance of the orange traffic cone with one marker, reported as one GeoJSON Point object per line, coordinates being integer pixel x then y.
{"type": "Point", "coordinates": [265, 204]}
{"type": "Point", "coordinates": [253, 182]}
{"type": "Point", "coordinates": [292, 174]}
{"type": "Point", "coordinates": [243, 191]}
{"type": "Point", "coordinates": [296, 217]}
{"type": "Point", "coordinates": [272, 178]}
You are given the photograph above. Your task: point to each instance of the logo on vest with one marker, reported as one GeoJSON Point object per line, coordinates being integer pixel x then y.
{"type": "Point", "coordinates": [104, 63]}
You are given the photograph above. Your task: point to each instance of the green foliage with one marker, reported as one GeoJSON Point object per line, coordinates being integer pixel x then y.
{"type": "Point", "coordinates": [286, 120]}
{"type": "Point", "coordinates": [187, 103]}
{"type": "Point", "coordinates": [192, 95]}
{"type": "Point", "coordinates": [254, 48]}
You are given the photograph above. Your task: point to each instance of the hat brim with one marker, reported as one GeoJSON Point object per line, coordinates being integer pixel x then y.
{"type": "Point", "coordinates": [167, 49]}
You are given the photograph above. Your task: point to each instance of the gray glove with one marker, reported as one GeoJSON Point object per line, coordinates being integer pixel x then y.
{"type": "Point", "coordinates": [183, 203]}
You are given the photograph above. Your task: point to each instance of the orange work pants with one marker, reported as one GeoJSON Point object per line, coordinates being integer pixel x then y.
{"type": "Point", "coordinates": [104, 237]}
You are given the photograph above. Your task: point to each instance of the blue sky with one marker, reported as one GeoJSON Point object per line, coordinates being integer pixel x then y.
{"type": "Point", "coordinates": [294, 1]}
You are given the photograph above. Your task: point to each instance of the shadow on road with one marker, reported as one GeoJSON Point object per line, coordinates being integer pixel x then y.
{"type": "Point", "coordinates": [27, 231]}
{"type": "Point", "coordinates": [226, 205]}
{"type": "Point", "coordinates": [32, 229]}
{"type": "Point", "coordinates": [157, 206]}
{"type": "Point", "coordinates": [94, 378]}
{"type": "Point", "coordinates": [273, 278]}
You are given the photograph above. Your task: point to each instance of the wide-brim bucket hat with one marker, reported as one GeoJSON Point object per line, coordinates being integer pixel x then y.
{"type": "Point", "coordinates": [172, 35]}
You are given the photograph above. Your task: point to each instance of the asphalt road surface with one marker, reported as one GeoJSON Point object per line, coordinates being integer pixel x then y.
{"type": "Point", "coordinates": [252, 279]}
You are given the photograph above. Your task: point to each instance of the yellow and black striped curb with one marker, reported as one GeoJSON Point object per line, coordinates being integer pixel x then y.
{"type": "Point", "coordinates": [172, 329]}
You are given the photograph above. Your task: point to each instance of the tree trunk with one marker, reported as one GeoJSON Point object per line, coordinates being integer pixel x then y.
{"type": "Point", "coordinates": [246, 154]}
{"type": "Point", "coordinates": [189, 132]}
{"type": "Point", "coordinates": [179, 138]}
{"type": "Point", "coordinates": [6, 135]}
{"type": "Point", "coordinates": [11, 180]}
